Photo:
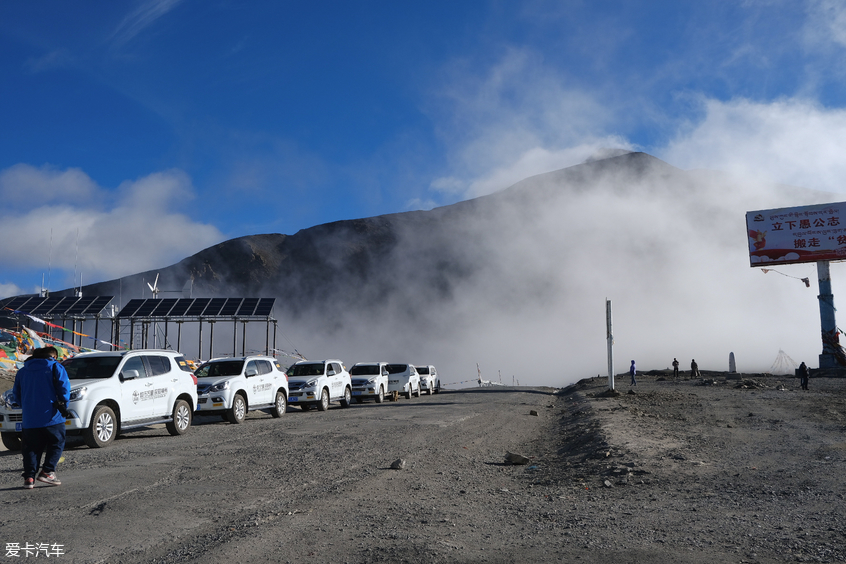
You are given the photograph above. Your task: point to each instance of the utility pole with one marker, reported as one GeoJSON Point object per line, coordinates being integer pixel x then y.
{"type": "Point", "coordinates": [828, 324]}
{"type": "Point", "coordinates": [610, 339]}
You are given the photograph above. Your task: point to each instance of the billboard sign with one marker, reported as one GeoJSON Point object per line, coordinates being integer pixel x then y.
{"type": "Point", "coordinates": [800, 234]}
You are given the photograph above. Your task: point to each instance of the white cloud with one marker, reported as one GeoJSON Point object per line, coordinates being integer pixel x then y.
{"type": "Point", "coordinates": [826, 23]}
{"type": "Point", "coordinates": [27, 186]}
{"type": "Point", "coordinates": [144, 16]}
{"type": "Point", "coordinates": [146, 226]}
{"type": "Point", "coordinates": [517, 119]}
{"type": "Point", "coordinates": [790, 141]}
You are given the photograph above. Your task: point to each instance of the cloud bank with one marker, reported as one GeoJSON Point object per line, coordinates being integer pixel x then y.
{"type": "Point", "coordinates": [141, 225]}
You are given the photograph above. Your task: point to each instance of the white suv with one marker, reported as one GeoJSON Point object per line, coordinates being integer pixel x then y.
{"type": "Point", "coordinates": [429, 381]}
{"type": "Point", "coordinates": [316, 383]}
{"type": "Point", "coordinates": [233, 386]}
{"type": "Point", "coordinates": [369, 380]}
{"type": "Point", "coordinates": [112, 392]}
{"type": "Point", "coordinates": [403, 378]}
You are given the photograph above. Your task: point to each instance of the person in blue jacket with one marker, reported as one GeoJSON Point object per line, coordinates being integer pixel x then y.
{"type": "Point", "coordinates": [633, 373]}
{"type": "Point", "coordinates": [43, 429]}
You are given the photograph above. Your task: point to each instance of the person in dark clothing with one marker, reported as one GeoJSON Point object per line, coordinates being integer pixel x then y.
{"type": "Point", "coordinates": [694, 369]}
{"type": "Point", "coordinates": [633, 372]}
{"type": "Point", "coordinates": [38, 386]}
{"type": "Point", "coordinates": [675, 369]}
{"type": "Point", "coordinates": [804, 375]}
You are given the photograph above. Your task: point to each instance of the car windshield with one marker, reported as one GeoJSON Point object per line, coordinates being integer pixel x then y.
{"type": "Point", "coordinates": [310, 369]}
{"type": "Point", "coordinates": [222, 368]}
{"type": "Point", "coordinates": [422, 369]}
{"type": "Point", "coordinates": [82, 368]}
{"type": "Point", "coordinates": [397, 368]}
{"type": "Point", "coordinates": [364, 370]}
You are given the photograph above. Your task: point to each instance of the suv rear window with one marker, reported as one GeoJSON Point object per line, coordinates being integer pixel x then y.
{"type": "Point", "coordinates": [159, 364]}
{"type": "Point", "coordinates": [183, 364]}
{"type": "Point", "coordinates": [397, 368]}
{"type": "Point", "coordinates": [422, 369]}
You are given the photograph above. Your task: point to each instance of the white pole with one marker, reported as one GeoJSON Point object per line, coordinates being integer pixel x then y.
{"type": "Point", "coordinates": [610, 338]}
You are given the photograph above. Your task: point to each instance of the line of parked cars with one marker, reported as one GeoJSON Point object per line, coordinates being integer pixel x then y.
{"type": "Point", "coordinates": [113, 392]}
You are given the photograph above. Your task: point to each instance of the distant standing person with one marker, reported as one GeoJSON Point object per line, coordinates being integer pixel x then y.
{"type": "Point", "coordinates": [675, 368]}
{"type": "Point", "coordinates": [694, 369]}
{"type": "Point", "coordinates": [633, 372]}
{"type": "Point", "coordinates": [43, 425]}
{"type": "Point", "coordinates": [804, 375]}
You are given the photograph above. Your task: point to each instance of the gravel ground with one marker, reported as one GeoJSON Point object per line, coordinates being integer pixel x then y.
{"type": "Point", "coordinates": [688, 471]}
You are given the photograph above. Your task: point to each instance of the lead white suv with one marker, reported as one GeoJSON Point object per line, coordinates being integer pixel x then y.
{"type": "Point", "coordinates": [403, 378]}
{"type": "Point", "coordinates": [429, 381]}
{"type": "Point", "coordinates": [113, 392]}
{"type": "Point", "coordinates": [233, 386]}
{"type": "Point", "coordinates": [316, 383]}
{"type": "Point", "coordinates": [369, 381]}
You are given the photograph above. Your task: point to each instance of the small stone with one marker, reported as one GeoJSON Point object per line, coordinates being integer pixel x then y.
{"type": "Point", "coordinates": [516, 458]}
{"type": "Point", "coordinates": [398, 464]}
{"type": "Point", "coordinates": [533, 412]}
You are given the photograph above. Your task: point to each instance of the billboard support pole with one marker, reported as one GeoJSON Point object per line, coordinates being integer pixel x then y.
{"type": "Point", "coordinates": [610, 339]}
{"type": "Point", "coordinates": [828, 324]}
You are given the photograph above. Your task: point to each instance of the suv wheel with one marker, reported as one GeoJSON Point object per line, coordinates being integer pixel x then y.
{"type": "Point", "coordinates": [11, 441]}
{"type": "Point", "coordinates": [238, 412]}
{"type": "Point", "coordinates": [381, 396]}
{"type": "Point", "coordinates": [181, 418]}
{"type": "Point", "coordinates": [103, 428]}
{"type": "Point", "coordinates": [347, 399]}
{"type": "Point", "coordinates": [438, 388]}
{"type": "Point", "coordinates": [324, 400]}
{"type": "Point", "coordinates": [280, 405]}
{"type": "Point", "coordinates": [418, 391]}
{"type": "Point", "coordinates": [408, 393]}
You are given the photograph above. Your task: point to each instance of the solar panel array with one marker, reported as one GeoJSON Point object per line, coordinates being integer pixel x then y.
{"type": "Point", "coordinates": [90, 306]}
{"type": "Point", "coordinates": [199, 307]}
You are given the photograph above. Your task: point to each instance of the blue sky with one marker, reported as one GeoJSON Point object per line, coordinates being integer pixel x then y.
{"type": "Point", "coordinates": [143, 132]}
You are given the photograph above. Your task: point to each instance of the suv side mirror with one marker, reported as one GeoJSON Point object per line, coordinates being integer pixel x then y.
{"type": "Point", "coordinates": [251, 372]}
{"type": "Point", "coordinates": [129, 375]}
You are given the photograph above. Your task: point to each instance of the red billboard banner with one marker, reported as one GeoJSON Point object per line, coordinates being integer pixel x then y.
{"type": "Point", "coordinates": [800, 234]}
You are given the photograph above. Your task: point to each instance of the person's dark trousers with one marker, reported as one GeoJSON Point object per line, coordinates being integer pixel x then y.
{"type": "Point", "coordinates": [49, 441]}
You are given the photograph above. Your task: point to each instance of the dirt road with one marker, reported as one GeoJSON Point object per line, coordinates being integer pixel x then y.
{"type": "Point", "coordinates": [677, 472]}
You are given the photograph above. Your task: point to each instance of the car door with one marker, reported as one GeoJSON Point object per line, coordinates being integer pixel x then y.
{"type": "Point", "coordinates": [336, 380]}
{"type": "Point", "coordinates": [162, 388]}
{"type": "Point", "coordinates": [135, 389]}
{"type": "Point", "coordinates": [260, 384]}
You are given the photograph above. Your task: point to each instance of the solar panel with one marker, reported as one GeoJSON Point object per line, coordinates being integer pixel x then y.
{"type": "Point", "coordinates": [130, 308]}
{"type": "Point", "coordinates": [198, 306]}
{"type": "Point", "coordinates": [248, 306]}
{"type": "Point", "coordinates": [16, 303]}
{"type": "Point", "coordinates": [97, 305]}
{"type": "Point", "coordinates": [80, 305]}
{"type": "Point", "coordinates": [45, 306]}
{"type": "Point", "coordinates": [214, 307]}
{"type": "Point", "coordinates": [231, 307]}
{"type": "Point", "coordinates": [146, 308]}
{"type": "Point", "coordinates": [181, 307]}
{"type": "Point", "coordinates": [164, 307]}
{"type": "Point", "coordinates": [265, 306]}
